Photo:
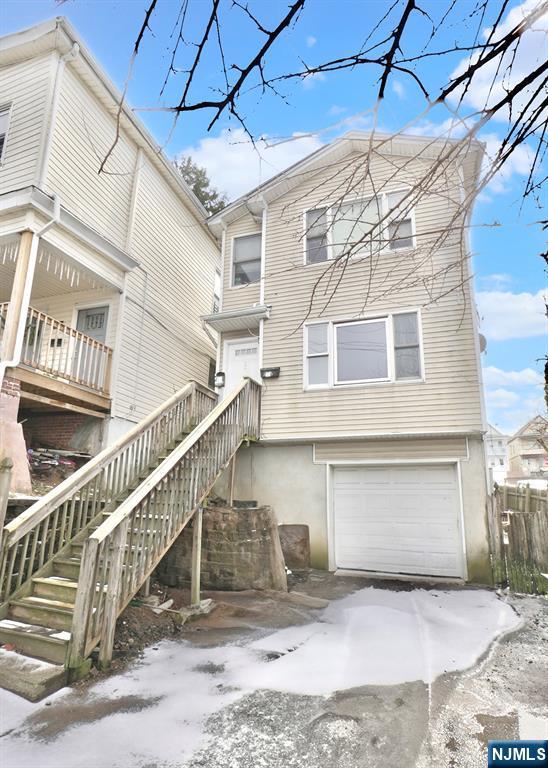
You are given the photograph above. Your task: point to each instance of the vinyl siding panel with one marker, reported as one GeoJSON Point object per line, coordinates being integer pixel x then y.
{"type": "Point", "coordinates": [402, 449]}
{"type": "Point", "coordinates": [449, 397]}
{"type": "Point", "coordinates": [164, 344]}
{"type": "Point", "coordinates": [84, 132]}
{"type": "Point", "coordinates": [239, 296]}
{"type": "Point", "coordinates": [26, 86]}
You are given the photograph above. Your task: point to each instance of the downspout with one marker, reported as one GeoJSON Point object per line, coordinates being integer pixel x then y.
{"type": "Point", "coordinates": [13, 362]}
{"type": "Point", "coordinates": [262, 278]}
{"type": "Point", "coordinates": [46, 151]}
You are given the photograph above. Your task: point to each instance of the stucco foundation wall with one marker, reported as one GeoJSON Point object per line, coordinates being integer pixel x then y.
{"type": "Point", "coordinates": [286, 478]}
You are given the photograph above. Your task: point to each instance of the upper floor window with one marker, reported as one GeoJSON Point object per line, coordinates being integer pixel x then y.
{"type": "Point", "coordinates": [246, 259]}
{"type": "Point", "coordinates": [359, 226]}
{"type": "Point", "coordinates": [381, 349]}
{"type": "Point", "coordinates": [4, 122]}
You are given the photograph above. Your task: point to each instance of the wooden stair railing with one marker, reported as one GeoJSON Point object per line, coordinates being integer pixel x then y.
{"type": "Point", "coordinates": [123, 551]}
{"type": "Point", "coordinates": [31, 540]}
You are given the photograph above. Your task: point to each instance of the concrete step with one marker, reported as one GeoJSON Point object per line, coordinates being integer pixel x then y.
{"type": "Point", "coordinates": [36, 641]}
{"type": "Point", "coordinates": [55, 587]}
{"type": "Point", "coordinates": [42, 611]}
{"type": "Point", "coordinates": [29, 677]}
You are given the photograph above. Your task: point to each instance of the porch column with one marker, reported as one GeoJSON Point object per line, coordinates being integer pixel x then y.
{"type": "Point", "coordinates": [20, 296]}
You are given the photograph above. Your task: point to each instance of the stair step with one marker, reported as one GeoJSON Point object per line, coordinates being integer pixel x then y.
{"type": "Point", "coordinates": [55, 588]}
{"type": "Point", "coordinates": [48, 613]}
{"type": "Point", "coordinates": [32, 640]}
{"type": "Point", "coordinates": [67, 566]}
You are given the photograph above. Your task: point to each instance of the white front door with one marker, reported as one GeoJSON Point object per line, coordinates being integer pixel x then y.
{"type": "Point", "coordinates": [241, 358]}
{"type": "Point", "coordinates": [398, 519]}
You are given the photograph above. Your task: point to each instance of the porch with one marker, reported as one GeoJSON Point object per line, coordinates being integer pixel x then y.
{"type": "Point", "coordinates": [65, 342]}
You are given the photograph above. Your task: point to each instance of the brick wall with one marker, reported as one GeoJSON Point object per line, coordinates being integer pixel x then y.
{"type": "Point", "coordinates": [240, 550]}
{"type": "Point", "coordinates": [64, 431]}
{"type": "Point", "coordinates": [11, 387]}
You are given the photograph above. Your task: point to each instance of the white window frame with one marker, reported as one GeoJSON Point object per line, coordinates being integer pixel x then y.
{"type": "Point", "coordinates": [390, 352]}
{"type": "Point", "coordinates": [329, 213]}
{"type": "Point", "coordinates": [236, 237]}
{"type": "Point", "coordinates": [7, 107]}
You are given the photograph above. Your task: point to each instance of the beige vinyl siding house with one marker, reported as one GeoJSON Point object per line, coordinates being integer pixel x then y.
{"type": "Point", "coordinates": [123, 258]}
{"type": "Point", "coordinates": [345, 451]}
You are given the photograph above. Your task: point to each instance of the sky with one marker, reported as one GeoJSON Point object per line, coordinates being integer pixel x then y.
{"type": "Point", "coordinates": [506, 239]}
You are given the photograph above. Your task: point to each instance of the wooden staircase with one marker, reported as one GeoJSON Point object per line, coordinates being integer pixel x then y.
{"type": "Point", "coordinates": [72, 561]}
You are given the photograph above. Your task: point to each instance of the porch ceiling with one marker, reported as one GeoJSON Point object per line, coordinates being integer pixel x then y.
{"type": "Point", "coordinates": [55, 273]}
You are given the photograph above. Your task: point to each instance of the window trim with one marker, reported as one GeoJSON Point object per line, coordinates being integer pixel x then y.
{"type": "Point", "coordinates": [385, 248]}
{"type": "Point", "coordinates": [390, 353]}
{"type": "Point", "coordinates": [236, 237]}
{"type": "Point", "coordinates": [6, 107]}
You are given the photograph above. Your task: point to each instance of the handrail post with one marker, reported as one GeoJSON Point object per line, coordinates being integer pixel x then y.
{"type": "Point", "coordinates": [83, 604]}
{"type": "Point", "coordinates": [112, 598]}
{"type": "Point", "coordinates": [196, 557]}
{"type": "Point", "coordinates": [6, 466]}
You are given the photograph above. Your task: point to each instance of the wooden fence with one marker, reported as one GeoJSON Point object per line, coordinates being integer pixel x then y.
{"type": "Point", "coordinates": [518, 538]}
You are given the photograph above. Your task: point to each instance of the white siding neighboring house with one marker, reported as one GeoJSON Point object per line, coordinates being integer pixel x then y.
{"type": "Point", "coordinates": [497, 460]}
{"type": "Point", "coordinates": [380, 453]}
{"type": "Point", "coordinates": [527, 458]}
{"type": "Point", "coordinates": [103, 276]}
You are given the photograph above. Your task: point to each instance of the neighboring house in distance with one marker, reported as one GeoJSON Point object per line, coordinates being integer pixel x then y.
{"type": "Point", "coordinates": [527, 459]}
{"type": "Point", "coordinates": [371, 414]}
{"type": "Point", "coordinates": [103, 276]}
{"type": "Point", "coordinates": [495, 447]}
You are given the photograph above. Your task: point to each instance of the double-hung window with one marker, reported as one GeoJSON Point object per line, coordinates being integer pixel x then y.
{"type": "Point", "coordinates": [4, 122]}
{"type": "Point", "coordinates": [363, 351]}
{"type": "Point", "coordinates": [246, 259]}
{"type": "Point", "coordinates": [316, 236]}
{"type": "Point", "coordinates": [317, 354]}
{"type": "Point", "coordinates": [400, 224]}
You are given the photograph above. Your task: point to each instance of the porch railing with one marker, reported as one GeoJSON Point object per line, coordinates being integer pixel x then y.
{"type": "Point", "coordinates": [39, 533]}
{"type": "Point", "coordinates": [54, 347]}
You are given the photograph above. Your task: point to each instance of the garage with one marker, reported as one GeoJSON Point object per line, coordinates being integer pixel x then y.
{"type": "Point", "coordinates": [398, 519]}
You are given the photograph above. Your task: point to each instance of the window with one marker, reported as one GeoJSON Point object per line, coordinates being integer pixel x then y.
{"type": "Point", "coordinates": [353, 224]}
{"type": "Point", "coordinates": [361, 351]}
{"type": "Point", "coordinates": [4, 121]}
{"type": "Point", "coordinates": [217, 292]}
{"type": "Point", "coordinates": [406, 346]}
{"type": "Point", "coordinates": [316, 236]}
{"type": "Point", "coordinates": [380, 349]}
{"type": "Point", "coordinates": [400, 227]}
{"type": "Point", "coordinates": [353, 227]}
{"type": "Point", "coordinates": [246, 259]}
{"type": "Point", "coordinates": [317, 354]}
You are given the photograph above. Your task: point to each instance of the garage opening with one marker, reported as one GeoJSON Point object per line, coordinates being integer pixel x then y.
{"type": "Point", "coordinates": [398, 519]}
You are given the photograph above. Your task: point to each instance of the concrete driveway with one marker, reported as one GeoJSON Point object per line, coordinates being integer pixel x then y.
{"type": "Point", "coordinates": [385, 675]}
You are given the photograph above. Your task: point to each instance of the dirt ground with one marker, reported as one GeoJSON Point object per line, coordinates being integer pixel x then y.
{"type": "Point", "coordinates": [143, 702]}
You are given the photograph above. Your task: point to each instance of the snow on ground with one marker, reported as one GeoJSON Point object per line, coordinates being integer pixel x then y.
{"type": "Point", "coordinates": [155, 712]}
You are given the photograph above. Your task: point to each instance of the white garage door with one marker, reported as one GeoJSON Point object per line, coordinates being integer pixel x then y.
{"type": "Point", "coordinates": [398, 519]}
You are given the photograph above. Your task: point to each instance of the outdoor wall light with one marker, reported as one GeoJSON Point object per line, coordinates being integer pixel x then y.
{"type": "Point", "coordinates": [219, 379]}
{"type": "Point", "coordinates": [270, 373]}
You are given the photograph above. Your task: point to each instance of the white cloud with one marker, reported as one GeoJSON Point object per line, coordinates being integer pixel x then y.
{"type": "Point", "coordinates": [506, 315]}
{"type": "Point", "coordinates": [493, 80]}
{"type": "Point", "coordinates": [518, 163]}
{"type": "Point", "coordinates": [398, 89]}
{"type": "Point", "coordinates": [235, 166]}
{"type": "Point", "coordinates": [501, 398]}
{"type": "Point", "coordinates": [336, 110]}
{"type": "Point", "coordinates": [309, 81]}
{"type": "Point", "coordinates": [311, 41]}
{"type": "Point", "coordinates": [495, 377]}
{"type": "Point", "coordinates": [495, 281]}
